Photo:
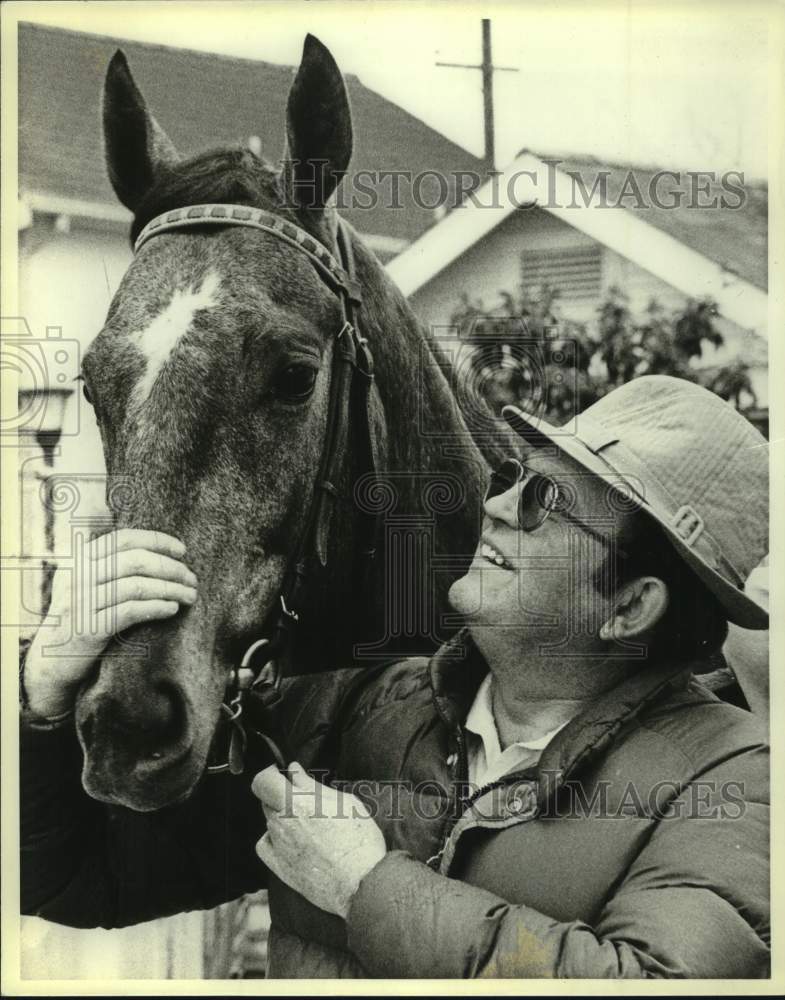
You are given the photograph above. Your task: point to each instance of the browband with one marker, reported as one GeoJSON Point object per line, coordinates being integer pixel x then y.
{"type": "Point", "coordinates": [255, 218]}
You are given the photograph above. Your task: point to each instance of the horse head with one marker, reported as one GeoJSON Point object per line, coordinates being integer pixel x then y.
{"type": "Point", "coordinates": [210, 381]}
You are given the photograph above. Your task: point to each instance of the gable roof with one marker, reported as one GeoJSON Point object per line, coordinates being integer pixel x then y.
{"type": "Point", "coordinates": [202, 100]}
{"type": "Point", "coordinates": [529, 180]}
{"type": "Point", "coordinates": [735, 238]}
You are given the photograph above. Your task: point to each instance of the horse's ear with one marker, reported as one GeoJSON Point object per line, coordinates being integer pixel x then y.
{"type": "Point", "coordinates": [135, 145]}
{"type": "Point", "coordinates": [318, 128]}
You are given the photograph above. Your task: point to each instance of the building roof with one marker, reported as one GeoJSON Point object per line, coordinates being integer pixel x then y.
{"type": "Point", "coordinates": [529, 180]}
{"type": "Point", "coordinates": [202, 100]}
{"type": "Point", "coordinates": [60, 148]}
{"type": "Point", "coordinates": [736, 238]}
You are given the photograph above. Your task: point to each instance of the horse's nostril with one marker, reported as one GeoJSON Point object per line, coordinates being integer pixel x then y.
{"type": "Point", "coordinates": [163, 725]}
{"type": "Point", "coordinates": [176, 719]}
{"type": "Point", "coordinates": [161, 710]}
{"type": "Point", "coordinates": [150, 722]}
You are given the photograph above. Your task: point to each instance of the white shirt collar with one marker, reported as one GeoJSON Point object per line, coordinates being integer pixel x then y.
{"type": "Point", "coordinates": [488, 761]}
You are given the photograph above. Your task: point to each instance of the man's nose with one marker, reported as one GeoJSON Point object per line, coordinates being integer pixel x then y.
{"type": "Point", "coordinates": [504, 507]}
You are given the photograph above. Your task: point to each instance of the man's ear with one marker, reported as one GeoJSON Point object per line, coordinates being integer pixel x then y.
{"type": "Point", "coordinates": [136, 146]}
{"type": "Point", "coordinates": [318, 129]}
{"type": "Point", "coordinates": [637, 608]}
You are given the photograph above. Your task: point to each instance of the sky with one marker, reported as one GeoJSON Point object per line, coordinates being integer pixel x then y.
{"type": "Point", "coordinates": [675, 85]}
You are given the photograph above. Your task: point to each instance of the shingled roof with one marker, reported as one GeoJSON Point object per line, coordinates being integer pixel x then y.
{"type": "Point", "coordinates": [734, 238]}
{"type": "Point", "coordinates": [203, 100]}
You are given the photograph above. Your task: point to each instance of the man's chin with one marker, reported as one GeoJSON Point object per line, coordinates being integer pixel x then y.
{"type": "Point", "coordinates": [465, 595]}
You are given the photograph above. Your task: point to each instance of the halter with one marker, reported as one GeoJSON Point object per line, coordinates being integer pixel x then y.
{"type": "Point", "coordinates": [350, 385]}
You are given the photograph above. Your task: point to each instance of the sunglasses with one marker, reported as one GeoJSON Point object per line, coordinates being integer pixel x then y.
{"type": "Point", "coordinates": [540, 497]}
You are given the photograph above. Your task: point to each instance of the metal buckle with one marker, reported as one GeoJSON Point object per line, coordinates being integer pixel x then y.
{"type": "Point", "coordinates": [688, 524]}
{"type": "Point", "coordinates": [364, 363]}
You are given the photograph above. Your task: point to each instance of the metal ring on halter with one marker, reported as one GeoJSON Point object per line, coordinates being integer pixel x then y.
{"type": "Point", "coordinates": [232, 713]}
{"type": "Point", "coordinates": [217, 768]}
{"type": "Point", "coordinates": [289, 613]}
{"type": "Point", "coordinates": [245, 674]}
{"type": "Point", "coordinates": [247, 678]}
{"type": "Point", "coordinates": [249, 653]}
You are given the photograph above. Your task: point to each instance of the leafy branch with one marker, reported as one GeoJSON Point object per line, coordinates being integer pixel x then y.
{"type": "Point", "coordinates": [526, 352]}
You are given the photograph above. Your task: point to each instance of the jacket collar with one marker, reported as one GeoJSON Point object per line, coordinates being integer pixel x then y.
{"type": "Point", "coordinates": [457, 670]}
{"type": "Point", "coordinates": [591, 733]}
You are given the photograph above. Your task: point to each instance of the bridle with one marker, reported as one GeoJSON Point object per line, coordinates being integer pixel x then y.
{"type": "Point", "coordinates": [258, 673]}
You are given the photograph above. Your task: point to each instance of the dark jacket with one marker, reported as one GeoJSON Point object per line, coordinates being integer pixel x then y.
{"type": "Point", "coordinates": [638, 847]}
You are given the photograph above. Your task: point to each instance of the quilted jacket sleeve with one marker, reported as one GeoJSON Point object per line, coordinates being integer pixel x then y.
{"type": "Point", "coordinates": [694, 903]}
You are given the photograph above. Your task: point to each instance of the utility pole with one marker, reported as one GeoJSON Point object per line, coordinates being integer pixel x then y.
{"type": "Point", "coordinates": [487, 68]}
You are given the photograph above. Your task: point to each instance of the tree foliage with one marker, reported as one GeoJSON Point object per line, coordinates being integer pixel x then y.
{"type": "Point", "coordinates": [526, 352]}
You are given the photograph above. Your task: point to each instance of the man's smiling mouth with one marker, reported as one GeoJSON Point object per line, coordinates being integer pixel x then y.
{"type": "Point", "coordinates": [492, 555]}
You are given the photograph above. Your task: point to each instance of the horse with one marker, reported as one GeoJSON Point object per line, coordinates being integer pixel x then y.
{"type": "Point", "coordinates": [213, 381]}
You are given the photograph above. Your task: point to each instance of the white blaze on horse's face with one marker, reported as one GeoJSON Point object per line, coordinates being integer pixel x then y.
{"type": "Point", "coordinates": [159, 339]}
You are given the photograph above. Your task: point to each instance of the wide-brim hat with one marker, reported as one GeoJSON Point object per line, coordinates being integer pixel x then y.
{"type": "Point", "coordinates": [690, 461]}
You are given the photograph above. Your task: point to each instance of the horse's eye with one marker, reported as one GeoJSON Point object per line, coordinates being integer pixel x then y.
{"type": "Point", "coordinates": [295, 382]}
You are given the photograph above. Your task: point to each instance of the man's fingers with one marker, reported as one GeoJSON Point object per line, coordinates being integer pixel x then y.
{"type": "Point", "coordinates": [141, 562]}
{"type": "Point", "coordinates": [266, 853]}
{"type": "Point", "coordinates": [272, 788]}
{"type": "Point", "coordinates": [142, 588]}
{"type": "Point", "coordinates": [123, 539]}
{"type": "Point", "coordinates": [299, 776]}
{"type": "Point", "coordinates": [269, 856]}
{"type": "Point", "coordinates": [136, 612]}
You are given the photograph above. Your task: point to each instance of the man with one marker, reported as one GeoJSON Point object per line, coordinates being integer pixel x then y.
{"type": "Point", "coordinates": [747, 653]}
{"type": "Point", "coordinates": [553, 794]}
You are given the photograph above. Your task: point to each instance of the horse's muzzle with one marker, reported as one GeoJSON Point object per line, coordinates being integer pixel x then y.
{"type": "Point", "coordinates": [138, 749]}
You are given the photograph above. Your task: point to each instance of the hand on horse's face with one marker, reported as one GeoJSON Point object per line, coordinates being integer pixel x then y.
{"type": "Point", "coordinates": [126, 577]}
{"type": "Point", "coordinates": [320, 841]}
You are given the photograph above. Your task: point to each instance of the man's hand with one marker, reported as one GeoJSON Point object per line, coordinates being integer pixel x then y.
{"type": "Point", "coordinates": [126, 577]}
{"type": "Point", "coordinates": [320, 841]}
